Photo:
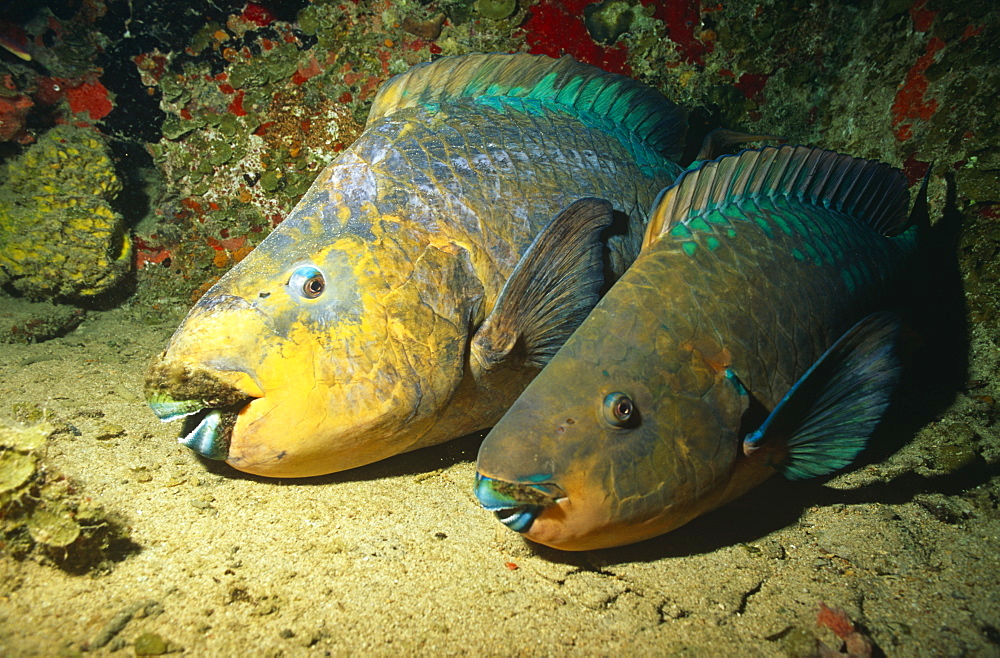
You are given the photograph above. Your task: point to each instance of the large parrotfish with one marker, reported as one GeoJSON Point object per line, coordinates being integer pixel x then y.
{"type": "Point", "coordinates": [751, 336]}
{"type": "Point", "coordinates": [428, 272]}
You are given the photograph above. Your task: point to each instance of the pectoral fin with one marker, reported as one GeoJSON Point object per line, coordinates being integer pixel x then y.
{"type": "Point", "coordinates": [826, 418]}
{"type": "Point", "coordinates": [552, 289]}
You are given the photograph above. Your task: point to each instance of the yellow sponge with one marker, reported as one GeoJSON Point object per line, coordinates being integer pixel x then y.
{"type": "Point", "coordinates": [59, 235]}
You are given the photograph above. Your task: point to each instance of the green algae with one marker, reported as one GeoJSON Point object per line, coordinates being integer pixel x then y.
{"type": "Point", "coordinates": [42, 514]}
{"type": "Point", "coordinates": [495, 9]}
{"type": "Point", "coordinates": [608, 21]}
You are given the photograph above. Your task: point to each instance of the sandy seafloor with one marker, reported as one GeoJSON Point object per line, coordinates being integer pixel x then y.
{"type": "Point", "coordinates": [398, 558]}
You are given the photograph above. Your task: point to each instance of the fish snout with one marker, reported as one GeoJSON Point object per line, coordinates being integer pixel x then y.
{"type": "Point", "coordinates": [173, 389]}
{"type": "Point", "coordinates": [517, 504]}
{"type": "Point", "coordinates": [207, 402]}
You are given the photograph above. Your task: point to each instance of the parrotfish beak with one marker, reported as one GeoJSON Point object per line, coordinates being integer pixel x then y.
{"type": "Point", "coordinates": [515, 504]}
{"type": "Point", "coordinates": [208, 404]}
{"type": "Point", "coordinates": [207, 431]}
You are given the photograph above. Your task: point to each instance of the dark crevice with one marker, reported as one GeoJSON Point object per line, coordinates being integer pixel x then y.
{"type": "Point", "coordinates": [745, 599]}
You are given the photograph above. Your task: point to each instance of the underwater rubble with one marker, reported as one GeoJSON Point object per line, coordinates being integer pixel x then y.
{"type": "Point", "coordinates": [42, 513]}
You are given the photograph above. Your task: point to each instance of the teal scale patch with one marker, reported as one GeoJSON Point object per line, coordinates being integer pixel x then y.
{"type": "Point", "coordinates": [495, 102]}
{"type": "Point", "coordinates": [699, 224]}
{"type": "Point", "coordinates": [848, 278]}
{"type": "Point", "coordinates": [797, 223]}
{"type": "Point", "coordinates": [536, 109]}
{"type": "Point", "coordinates": [780, 222]}
{"type": "Point", "coordinates": [798, 255]}
{"type": "Point", "coordinates": [716, 217]}
{"type": "Point", "coordinates": [545, 89]}
{"type": "Point", "coordinates": [827, 255]}
{"type": "Point", "coordinates": [646, 159]}
{"type": "Point", "coordinates": [680, 231]}
{"type": "Point", "coordinates": [813, 254]}
{"type": "Point", "coordinates": [731, 233]}
{"type": "Point", "coordinates": [763, 224]}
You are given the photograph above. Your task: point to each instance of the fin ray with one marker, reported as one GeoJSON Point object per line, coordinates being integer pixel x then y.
{"type": "Point", "coordinates": [578, 87]}
{"type": "Point", "coordinates": [829, 414]}
{"type": "Point", "coordinates": [554, 286]}
{"type": "Point", "coordinates": [870, 191]}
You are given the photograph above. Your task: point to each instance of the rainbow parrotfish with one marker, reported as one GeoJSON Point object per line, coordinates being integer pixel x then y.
{"type": "Point", "coordinates": [751, 336]}
{"type": "Point", "coordinates": [429, 271]}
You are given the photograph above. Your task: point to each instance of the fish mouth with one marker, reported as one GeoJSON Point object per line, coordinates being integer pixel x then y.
{"type": "Point", "coordinates": [207, 430]}
{"type": "Point", "coordinates": [517, 504]}
{"type": "Point", "coordinates": [204, 398]}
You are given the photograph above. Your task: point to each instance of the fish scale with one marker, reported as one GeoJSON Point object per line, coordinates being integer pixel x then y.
{"type": "Point", "coordinates": [371, 321]}
{"type": "Point", "coordinates": [748, 337]}
{"type": "Point", "coordinates": [782, 289]}
{"type": "Point", "coordinates": [541, 179]}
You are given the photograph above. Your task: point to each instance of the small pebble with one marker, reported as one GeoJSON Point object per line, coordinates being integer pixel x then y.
{"type": "Point", "coordinates": [429, 29]}
{"type": "Point", "coordinates": [150, 644]}
{"type": "Point", "coordinates": [109, 431]}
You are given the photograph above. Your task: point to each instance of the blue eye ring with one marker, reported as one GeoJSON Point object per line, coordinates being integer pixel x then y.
{"type": "Point", "coordinates": [619, 409]}
{"type": "Point", "coordinates": [307, 281]}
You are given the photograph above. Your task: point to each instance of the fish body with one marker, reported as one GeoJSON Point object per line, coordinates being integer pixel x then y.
{"type": "Point", "coordinates": [14, 40]}
{"type": "Point", "coordinates": [749, 337]}
{"type": "Point", "coordinates": [370, 321]}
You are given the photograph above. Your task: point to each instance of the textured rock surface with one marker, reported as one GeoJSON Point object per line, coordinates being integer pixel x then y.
{"type": "Point", "coordinates": [59, 235]}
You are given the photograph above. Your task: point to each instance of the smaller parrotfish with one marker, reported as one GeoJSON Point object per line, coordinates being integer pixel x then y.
{"type": "Point", "coordinates": [14, 40]}
{"type": "Point", "coordinates": [749, 337]}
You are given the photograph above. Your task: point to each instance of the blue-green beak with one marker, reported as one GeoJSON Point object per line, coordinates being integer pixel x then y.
{"type": "Point", "coordinates": [516, 505]}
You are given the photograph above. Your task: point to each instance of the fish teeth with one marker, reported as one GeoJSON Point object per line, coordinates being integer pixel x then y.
{"type": "Point", "coordinates": [506, 516]}
{"type": "Point", "coordinates": [170, 417]}
{"type": "Point", "coordinates": [518, 519]}
{"type": "Point", "coordinates": [206, 439]}
{"type": "Point", "coordinates": [168, 410]}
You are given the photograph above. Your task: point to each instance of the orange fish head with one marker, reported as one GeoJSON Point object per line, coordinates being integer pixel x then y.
{"type": "Point", "coordinates": [310, 358]}
{"type": "Point", "coordinates": [612, 443]}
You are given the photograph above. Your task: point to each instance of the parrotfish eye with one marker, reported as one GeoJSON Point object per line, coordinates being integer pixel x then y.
{"type": "Point", "coordinates": [307, 281]}
{"type": "Point", "coordinates": [619, 410]}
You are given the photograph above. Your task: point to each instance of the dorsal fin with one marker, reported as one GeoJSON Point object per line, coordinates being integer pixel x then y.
{"type": "Point", "coordinates": [579, 87]}
{"type": "Point", "coordinates": [870, 191]}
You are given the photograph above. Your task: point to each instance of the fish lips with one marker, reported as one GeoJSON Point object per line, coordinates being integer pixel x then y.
{"type": "Point", "coordinates": [517, 504]}
{"type": "Point", "coordinates": [208, 400]}
{"type": "Point", "coordinates": [207, 430]}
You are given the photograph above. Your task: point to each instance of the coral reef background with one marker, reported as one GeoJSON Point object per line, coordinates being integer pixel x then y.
{"type": "Point", "coordinates": [146, 147]}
